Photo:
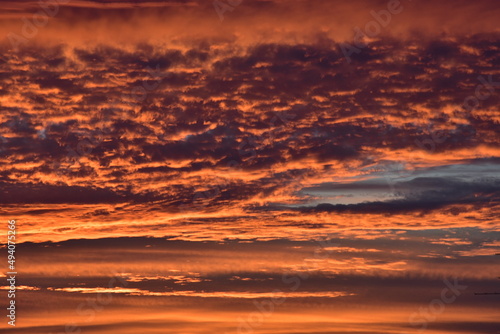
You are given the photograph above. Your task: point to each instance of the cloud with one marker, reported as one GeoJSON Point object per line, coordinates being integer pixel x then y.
{"type": "Point", "coordinates": [226, 147]}
{"type": "Point", "coordinates": [419, 194]}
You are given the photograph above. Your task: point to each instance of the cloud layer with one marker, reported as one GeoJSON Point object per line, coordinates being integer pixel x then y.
{"type": "Point", "coordinates": [172, 162]}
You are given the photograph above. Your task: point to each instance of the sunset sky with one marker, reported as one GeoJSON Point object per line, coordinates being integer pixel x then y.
{"type": "Point", "coordinates": [251, 166]}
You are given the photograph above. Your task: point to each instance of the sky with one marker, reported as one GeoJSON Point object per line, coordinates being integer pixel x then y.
{"type": "Point", "coordinates": [237, 166]}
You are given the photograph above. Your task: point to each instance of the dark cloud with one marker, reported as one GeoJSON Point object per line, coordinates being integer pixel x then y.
{"type": "Point", "coordinates": [147, 112]}
{"type": "Point", "coordinates": [40, 193]}
{"type": "Point", "coordinates": [420, 194]}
